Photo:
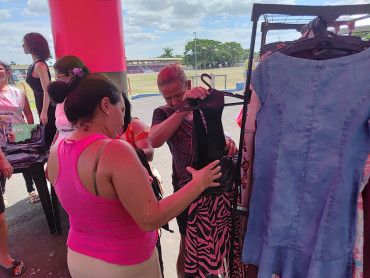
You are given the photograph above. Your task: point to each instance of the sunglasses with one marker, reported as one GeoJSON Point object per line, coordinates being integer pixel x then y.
{"type": "Point", "coordinates": [61, 75]}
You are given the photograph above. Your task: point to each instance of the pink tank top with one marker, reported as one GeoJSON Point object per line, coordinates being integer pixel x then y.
{"type": "Point", "coordinates": [99, 227]}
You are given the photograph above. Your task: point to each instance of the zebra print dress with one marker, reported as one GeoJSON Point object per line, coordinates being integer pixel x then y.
{"type": "Point", "coordinates": [208, 238]}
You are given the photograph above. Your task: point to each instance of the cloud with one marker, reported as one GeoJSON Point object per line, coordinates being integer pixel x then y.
{"type": "Point", "coordinates": [219, 21]}
{"type": "Point", "coordinates": [27, 13]}
{"type": "Point", "coordinates": [178, 45]}
{"type": "Point", "coordinates": [148, 5]}
{"type": "Point", "coordinates": [190, 11]}
{"type": "Point", "coordinates": [183, 24]}
{"type": "Point", "coordinates": [182, 15]}
{"type": "Point", "coordinates": [4, 14]}
{"type": "Point", "coordinates": [239, 35]}
{"type": "Point", "coordinates": [130, 28]}
{"type": "Point", "coordinates": [12, 33]}
{"type": "Point", "coordinates": [140, 38]}
{"type": "Point", "coordinates": [167, 18]}
{"type": "Point", "coordinates": [35, 8]}
{"type": "Point", "coordinates": [347, 2]}
{"type": "Point", "coordinates": [142, 18]}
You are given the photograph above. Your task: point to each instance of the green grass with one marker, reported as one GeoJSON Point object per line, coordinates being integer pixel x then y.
{"type": "Point", "coordinates": [145, 83]}
{"type": "Point", "coordinates": [31, 97]}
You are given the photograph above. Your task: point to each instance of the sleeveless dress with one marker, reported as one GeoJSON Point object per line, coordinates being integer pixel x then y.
{"type": "Point", "coordinates": [38, 92]}
{"type": "Point", "coordinates": [311, 145]}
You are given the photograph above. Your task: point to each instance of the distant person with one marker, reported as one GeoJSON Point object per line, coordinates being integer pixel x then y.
{"type": "Point", "coordinates": [65, 69]}
{"type": "Point", "coordinates": [136, 132]}
{"type": "Point", "coordinates": [38, 78]}
{"type": "Point", "coordinates": [14, 105]}
{"type": "Point", "coordinates": [7, 264]}
{"type": "Point", "coordinates": [112, 209]}
{"type": "Point", "coordinates": [176, 130]}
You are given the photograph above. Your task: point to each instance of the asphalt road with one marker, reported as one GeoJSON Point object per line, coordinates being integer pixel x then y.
{"type": "Point", "coordinates": [45, 254]}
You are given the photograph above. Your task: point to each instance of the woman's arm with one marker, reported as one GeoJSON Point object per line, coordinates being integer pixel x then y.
{"type": "Point", "coordinates": [55, 137]}
{"type": "Point", "coordinates": [131, 182]}
{"type": "Point", "coordinates": [141, 138]}
{"type": "Point", "coordinates": [41, 71]}
{"type": "Point", "coordinates": [27, 109]}
{"type": "Point", "coordinates": [28, 112]}
{"type": "Point", "coordinates": [5, 168]}
{"type": "Point", "coordinates": [160, 133]}
{"type": "Point", "coordinates": [52, 165]}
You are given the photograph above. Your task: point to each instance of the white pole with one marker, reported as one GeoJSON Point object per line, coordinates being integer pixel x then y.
{"type": "Point", "coordinates": [196, 68]}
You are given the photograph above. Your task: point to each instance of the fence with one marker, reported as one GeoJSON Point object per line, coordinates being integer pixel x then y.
{"type": "Point", "coordinates": [213, 80]}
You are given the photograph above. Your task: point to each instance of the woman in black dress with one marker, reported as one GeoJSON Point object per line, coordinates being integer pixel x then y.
{"type": "Point", "coordinates": [38, 78]}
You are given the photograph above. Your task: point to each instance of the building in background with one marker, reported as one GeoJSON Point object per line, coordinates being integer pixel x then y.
{"type": "Point", "coordinates": [148, 65]}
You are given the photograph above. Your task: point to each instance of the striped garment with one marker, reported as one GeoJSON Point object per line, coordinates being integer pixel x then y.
{"type": "Point", "coordinates": [208, 238]}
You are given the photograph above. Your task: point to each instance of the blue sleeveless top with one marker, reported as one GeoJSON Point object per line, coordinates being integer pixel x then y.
{"type": "Point", "coordinates": [311, 145]}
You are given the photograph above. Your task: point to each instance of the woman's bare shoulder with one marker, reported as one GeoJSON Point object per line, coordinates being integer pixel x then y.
{"type": "Point", "coordinates": [138, 124]}
{"type": "Point", "coordinates": [119, 148]}
{"type": "Point", "coordinates": [40, 66]}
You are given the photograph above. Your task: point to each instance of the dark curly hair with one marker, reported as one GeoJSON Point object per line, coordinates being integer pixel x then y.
{"type": "Point", "coordinates": [37, 45]}
{"type": "Point", "coordinates": [83, 95]}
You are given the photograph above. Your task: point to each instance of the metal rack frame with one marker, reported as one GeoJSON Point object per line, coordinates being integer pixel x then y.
{"type": "Point", "coordinates": [328, 13]}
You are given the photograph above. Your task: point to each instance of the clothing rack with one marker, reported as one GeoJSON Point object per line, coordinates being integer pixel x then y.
{"type": "Point", "coordinates": [271, 13]}
{"type": "Point", "coordinates": [301, 15]}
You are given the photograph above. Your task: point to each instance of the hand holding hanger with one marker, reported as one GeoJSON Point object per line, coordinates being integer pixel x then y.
{"type": "Point", "coordinates": [189, 102]}
{"type": "Point", "coordinates": [196, 93]}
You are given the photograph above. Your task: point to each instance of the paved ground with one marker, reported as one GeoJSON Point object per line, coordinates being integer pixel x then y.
{"type": "Point", "coordinates": [45, 254]}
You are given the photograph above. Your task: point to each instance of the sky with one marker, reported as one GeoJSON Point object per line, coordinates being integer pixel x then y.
{"type": "Point", "coordinates": [151, 25]}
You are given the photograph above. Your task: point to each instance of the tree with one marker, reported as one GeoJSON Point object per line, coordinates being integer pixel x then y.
{"type": "Point", "coordinates": [12, 63]}
{"type": "Point", "coordinates": [256, 55]}
{"type": "Point", "coordinates": [167, 53]}
{"type": "Point", "coordinates": [212, 53]}
{"type": "Point", "coordinates": [206, 53]}
{"type": "Point", "coordinates": [222, 57]}
{"type": "Point", "coordinates": [234, 52]}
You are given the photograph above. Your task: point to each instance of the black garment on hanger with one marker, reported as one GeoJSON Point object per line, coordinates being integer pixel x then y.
{"type": "Point", "coordinates": [317, 25]}
{"type": "Point", "coordinates": [208, 145]}
{"type": "Point", "coordinates": [325, 45]}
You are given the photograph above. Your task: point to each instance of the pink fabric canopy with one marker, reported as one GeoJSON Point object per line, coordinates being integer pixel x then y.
{"type": "Point", "coordinates": [91, 30]}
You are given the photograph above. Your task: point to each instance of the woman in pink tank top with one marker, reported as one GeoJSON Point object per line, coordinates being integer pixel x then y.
{"type": "Point", "coordinates": [112, 209]}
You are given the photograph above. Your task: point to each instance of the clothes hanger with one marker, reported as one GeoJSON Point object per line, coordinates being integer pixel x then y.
{"type": "Point", "coordinates": [325, 41]}
{"type": "Point", "coordinates": [192, 104]}
{"type": "Point", "coordinates": [212, 91]}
